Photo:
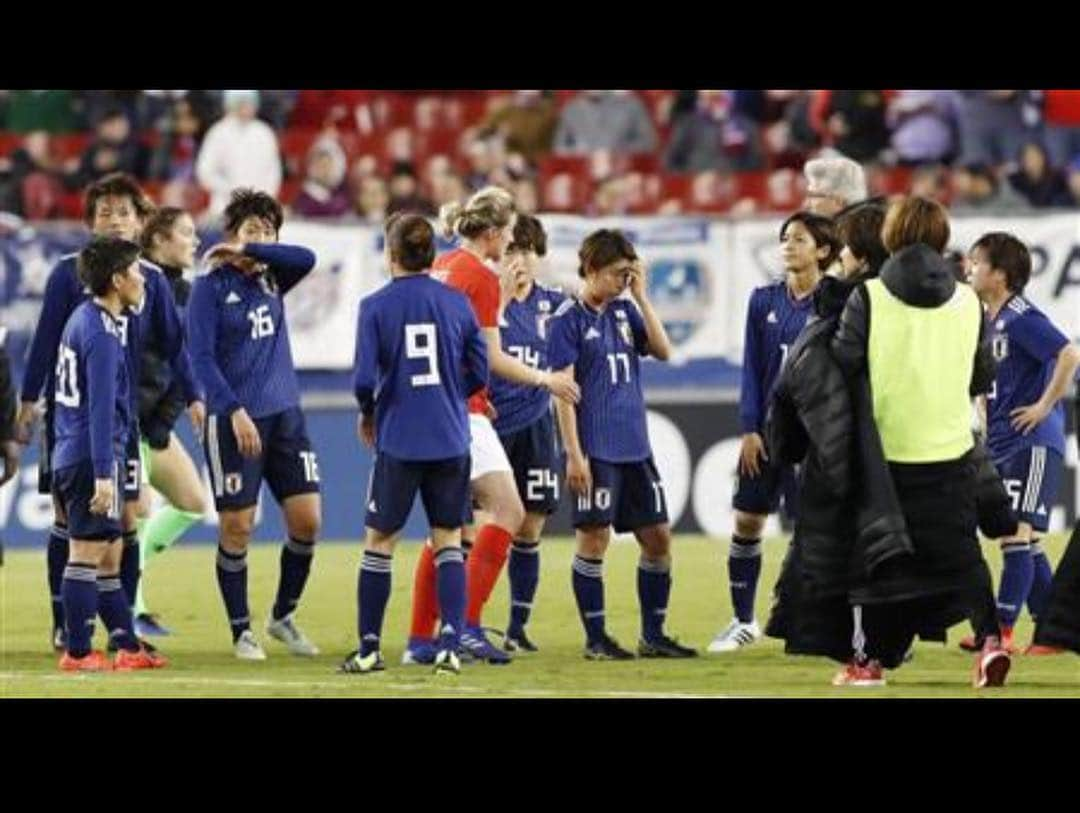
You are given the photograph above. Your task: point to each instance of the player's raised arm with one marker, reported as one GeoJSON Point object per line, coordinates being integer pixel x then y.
{"type": "Point", "coordinates": [288, 264]}
{"type": "Point", "coordinates": [657, 343]}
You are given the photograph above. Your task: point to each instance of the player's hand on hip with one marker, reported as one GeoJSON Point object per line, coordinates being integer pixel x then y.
{"type": "Point", "coordinates": [578, 474]}
{"type": "Point", "coordinates": [24, 422]}
{"type": "Point", "coordinates": [365, 430]}
{"type": "Point", "coordinates": [751, 454]}
{"type": "Point", "coordinates": [11, 451]}
{"type": "Point", "coordinates": [197, 413]}
{"type": "Point", "coordinates": [562, 385]}
{"type": "Point", "coordinates": [104, 496]}
{"type": "Point", "coordinates": [1025, 419]}
{"type": "Point", "coordinates": [247, 435]}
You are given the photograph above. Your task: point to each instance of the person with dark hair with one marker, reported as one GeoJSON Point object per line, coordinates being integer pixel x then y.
{"type": "Point", "coordinates": [255, 429]}
{"type": "Point", "coordinates": [524, 420]}
{"type": "Point", "coordinates": [775, 317]}
{"type": "Point", "coordinates": [859, 230]}
{"type": "Point", "coordinates": [116, 207]}
{"type": "Point", "coordinates": [404, 188]}
{"type": "Point", "coordinates": [1041, 184]}
{"type": "Point", "coordinates": [113, 149]}
{"type": "Point", "coordinates": [419, 355]}
{"type": "Point", "coordinates": [1025, 418]}
{"type": "Point", "coordinates": [169, 241]}
{"type": "Point", "coordinates": [599, 339]}
{"type": "Point", "coordinates": [917, 337]}
{"type": "Point", "coordinates": [976, 187]}
{"type": "Point", "coordinates": [485, 224]}
{"type": "Point", "coordinates": [93, 419]}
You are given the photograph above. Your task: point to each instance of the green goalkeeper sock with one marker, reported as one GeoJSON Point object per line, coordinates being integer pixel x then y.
{"type": "Point", "coordinates": [164, 528]}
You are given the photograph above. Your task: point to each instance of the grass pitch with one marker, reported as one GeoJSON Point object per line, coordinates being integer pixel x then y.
{"type": "Point", "coordinates": [182, 588]}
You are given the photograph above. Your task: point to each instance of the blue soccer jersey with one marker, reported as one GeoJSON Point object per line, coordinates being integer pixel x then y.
{"type": "Point", "coordinates": [523, 332]}
{"type": "Point", "coordinates": [238, 335]}
{"type": "Point", "coordinates": [92, 394]}
{"type": "Point", "coordinates": [773, 321]}
{"type": "Point", "coordinates": [419, 356]}
{"type": "Point", "coordinates": [156, 317]}
{"type": "Point", "coordinates": [1026, 345]}
{"type": "Point", "coordinates": [605, 349]}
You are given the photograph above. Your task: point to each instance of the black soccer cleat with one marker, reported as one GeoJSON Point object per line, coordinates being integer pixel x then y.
{"type": "Point", "coordinates": [518, 641]}
{"type": "Point", "coordinates": [664, 647]}
{"type": "Point", "coordinates": [354, 664]}
{"type": "Point", "coordinates": [607, 649]}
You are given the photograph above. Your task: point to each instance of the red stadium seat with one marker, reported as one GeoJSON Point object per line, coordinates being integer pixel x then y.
{"type": "Point", "coordinates": [70, 145]}
{"type": "Point", "coordinates": [9, 142]}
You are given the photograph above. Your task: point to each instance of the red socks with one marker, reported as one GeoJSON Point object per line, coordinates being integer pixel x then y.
{"type": "Point", "coordinates": [425, 598]}
{"type": "Point", "coordinates": [486, 561]}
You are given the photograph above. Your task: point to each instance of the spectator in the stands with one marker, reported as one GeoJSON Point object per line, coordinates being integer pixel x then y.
{"type": "Point", "coordinates": [851, 121]}
{"type": "Point", "coordinates": [53, 111]}
{"type": "Point", "coordinates": [371, 200]}
{"type": "Point", "coordinates": [33, 186]}
{"type": "Point", "coordinates": [174, 158]}
{"type": "Point", "coordinates": [239, 150]}
{"type": "Point", "coordinates": [1041, 184]}
{"type": "Point", "coordinates": [925, 126]}
{"type": "Point", "coordinates": [275, 107]}
{"type": "Point", "coordinates": [114, 149]}
{"type": "Point", "coordinates": [929, 181]}
{"type": "Point", "coordinates": [483, 158]}
{"type": "Point", "coordinates": [613, 120]}
{"type": "Point", "coordinates": [405, 195]}
{"type": "Point", "coordinates": [323, 193]}
{"type": "Point", "coordinates": [611, 197]}
{"type": "Point", "coordinates": [714, 135]}
{"type": "Point", "coordinates": [995, 124]}
{"type": "Point", "coordinates": [833, 183]}
{"type": "Point", "coordinates": [977, 187]}
{"type": "Point", "coordinates": [526, 196]}
{"type": "Point", "coordinates": [1061, 119]}
{"type": "Point", "coordinates": [347, 110]}
{"type": "Point", "coordinates": [526, 123]}
{"type": "Point", "coordinates": [97, 105]}
{"type": "Point", "coordinates": [447, 187]}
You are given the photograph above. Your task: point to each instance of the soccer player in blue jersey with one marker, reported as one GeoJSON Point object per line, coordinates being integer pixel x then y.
{"type": "Point", "coordinates": [1025, 417]}
{"type": "Point", "coordinates": [92, 412]}
{"type": "Point", "coordinates": [600, 337]}
{"type": "Point", "coordinates": [524, 420]}
{"type": "Point", "coordinates": [777, 313]}
{"type": "Point", "coordinates": [255, 429]}
{"type": "Point", "coordinates": [116, 207]}
{"type": "Point", "coordinates": [419, 355]}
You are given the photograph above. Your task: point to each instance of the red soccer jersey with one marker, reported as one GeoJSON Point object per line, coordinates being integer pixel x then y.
{"type": "Point", "coordinates": [462, 270]}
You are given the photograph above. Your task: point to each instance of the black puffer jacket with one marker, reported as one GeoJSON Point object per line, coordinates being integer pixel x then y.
{"type": "Point", "coordinates": [7, 392]}
{"type": "Point", "coordinates": [1059, 624]}
{"type": "Point", "coordinates": [938, 500]}
{"type": "Point", "coordinates": [161, 398]}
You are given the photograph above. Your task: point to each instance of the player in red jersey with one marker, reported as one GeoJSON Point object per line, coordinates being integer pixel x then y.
{"type": "Point", "coordinates": [486, 224]}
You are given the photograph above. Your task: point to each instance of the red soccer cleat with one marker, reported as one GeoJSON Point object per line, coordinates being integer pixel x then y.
{"type": "Point", "coordinates": [1007, 640]}
{"type": "Point", "coordinates": [868, 674]}
{"type": "Point", "coordinates": [93, 661]}
{"type": "Point", "coordinates": [140, 659]}
{"type": "Point", "coordinates": [969, 643]}
{"type": "Point", "coordinates": [1043, 649]}
{"type": "Point", "coordinates": [992, 665]}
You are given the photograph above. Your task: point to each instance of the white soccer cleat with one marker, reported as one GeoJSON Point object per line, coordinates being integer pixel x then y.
{"type": "Point", "coordinates": [447, 663]}
{"type": "Point", "coordinates": [247, 648]}
{"type": "Point", "coordinates": [735, 636]}
{"type": "Point", "coordinates": [289, 634]}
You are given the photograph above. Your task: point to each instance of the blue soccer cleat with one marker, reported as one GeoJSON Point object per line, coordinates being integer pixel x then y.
{"type": "Point", "coordinates": [420, 651]}
{"type": "Point", "coordinates": [474, 641]}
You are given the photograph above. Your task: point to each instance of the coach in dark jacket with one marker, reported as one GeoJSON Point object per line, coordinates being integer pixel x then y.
{"type": "Point", "coordinates": [912, 332]}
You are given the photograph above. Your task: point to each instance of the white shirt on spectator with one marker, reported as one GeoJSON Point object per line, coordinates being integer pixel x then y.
{"type": "Point", "coordinates": [237, 153]}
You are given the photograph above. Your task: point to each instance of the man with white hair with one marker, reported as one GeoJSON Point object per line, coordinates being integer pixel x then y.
{"type": "Point", "coordinates": [239, 150]}
{"type": "Point", "coordinates": [832, 184]}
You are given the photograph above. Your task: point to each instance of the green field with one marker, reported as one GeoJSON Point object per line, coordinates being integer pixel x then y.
{"type": "Point", "coordinates": [183, 589]}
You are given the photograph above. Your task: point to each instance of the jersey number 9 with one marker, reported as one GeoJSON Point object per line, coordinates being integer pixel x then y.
{"type": "Point", "coordinates": [421, 342]}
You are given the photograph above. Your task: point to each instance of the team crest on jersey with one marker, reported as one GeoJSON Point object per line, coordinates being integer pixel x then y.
{"type": "Point", "coordinates": [623, 325]}
{"type": "Point", "coordinates": [1001, 347]}
{"type": "Point", "coordinates": [234, 483]}
{"type": "Point", "coordinates": [544, 307]}
{"type": "Point", "coordinates": [267, 283]}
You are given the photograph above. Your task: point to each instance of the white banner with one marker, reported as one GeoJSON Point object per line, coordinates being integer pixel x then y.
{"type": "Point", "coordinates": [701, 274]}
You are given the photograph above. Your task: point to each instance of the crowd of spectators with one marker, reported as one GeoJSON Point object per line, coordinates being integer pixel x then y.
{"type": "Point", "coordinates": [359, 155]}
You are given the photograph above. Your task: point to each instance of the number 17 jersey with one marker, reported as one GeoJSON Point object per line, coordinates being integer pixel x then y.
{"type": "Point", "coordinates": [604, 347]}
